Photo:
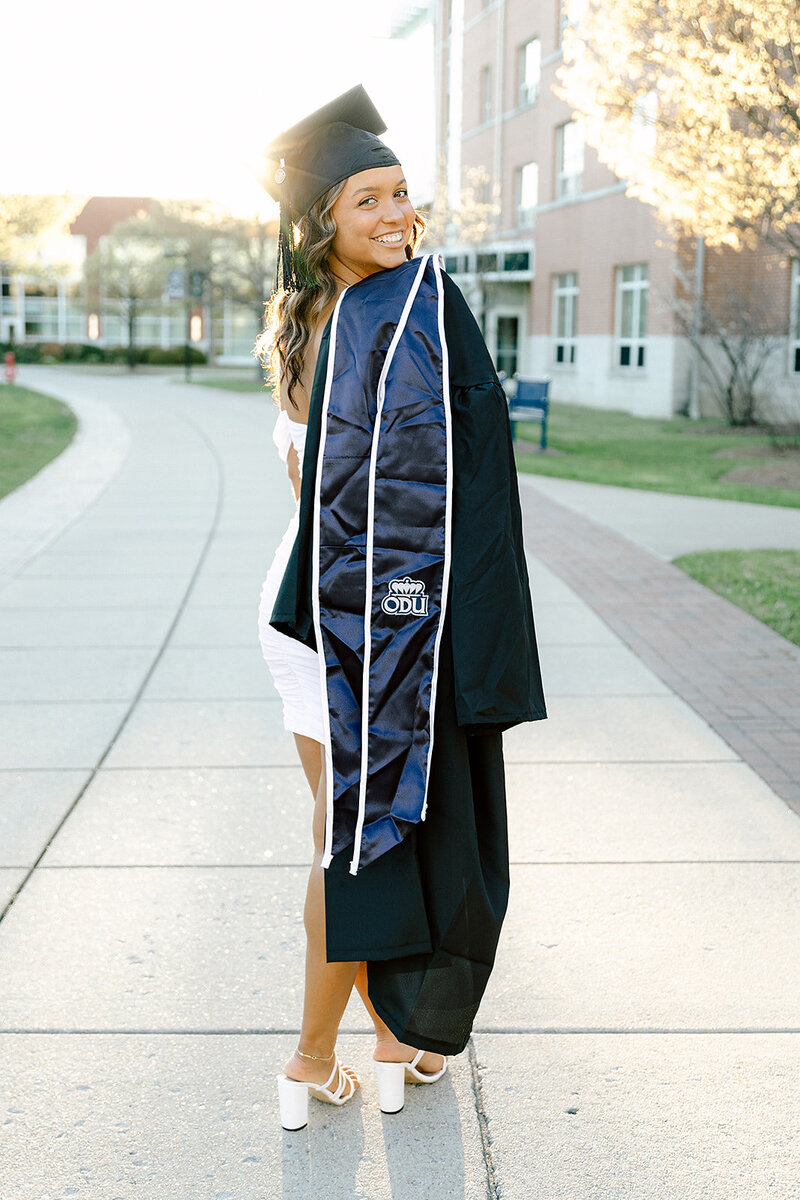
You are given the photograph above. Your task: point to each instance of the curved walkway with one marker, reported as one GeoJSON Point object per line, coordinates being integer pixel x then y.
{"type": "Point", "coordinates": [669, 525]}
{"type": "Point", "coordinates": [641, 1023]}
{"type": "Point", "coordinates": [35, 513]}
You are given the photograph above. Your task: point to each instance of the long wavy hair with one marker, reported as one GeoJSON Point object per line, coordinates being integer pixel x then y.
{"type": "Point", "coordinates": [292, 316]}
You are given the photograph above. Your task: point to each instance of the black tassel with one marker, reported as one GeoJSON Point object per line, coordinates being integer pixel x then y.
{"type": "Point", "coordinates": [286, 270]}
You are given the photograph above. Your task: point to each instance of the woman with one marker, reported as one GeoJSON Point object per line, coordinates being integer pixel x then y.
{"type": "Point", "coordinates": [404, 561]}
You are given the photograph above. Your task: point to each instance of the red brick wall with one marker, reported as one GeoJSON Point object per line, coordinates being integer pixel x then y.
{"type": "Point", "coordinates": [101, 213]}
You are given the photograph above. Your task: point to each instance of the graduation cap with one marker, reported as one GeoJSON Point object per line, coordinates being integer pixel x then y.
{"type": "Point", "coordinates": [337, 141]}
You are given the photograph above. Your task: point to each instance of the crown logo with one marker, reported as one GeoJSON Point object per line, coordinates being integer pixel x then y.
{"type": "Point", "coordinates": [406, 586]}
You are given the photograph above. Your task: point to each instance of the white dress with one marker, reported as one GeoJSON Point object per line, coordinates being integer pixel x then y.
{"type": "Point", "coordinates": [294, 666]}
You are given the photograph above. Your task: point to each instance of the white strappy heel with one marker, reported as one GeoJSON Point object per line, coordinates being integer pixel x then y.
{"type": "Point", "coordinates": [392, 1078]}
{"type": "Point", "coordinates": [293, 1094]}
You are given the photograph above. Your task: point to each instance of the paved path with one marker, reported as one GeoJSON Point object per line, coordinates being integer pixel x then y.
{"type": "Point", "coordinates": [37, 512]}
{"type": "Point", "coordinates": [669, 525]}
{"type": "Point", "coordinates": [640, 1033]}
{"type": "Point", "coordinates": [737, 673]}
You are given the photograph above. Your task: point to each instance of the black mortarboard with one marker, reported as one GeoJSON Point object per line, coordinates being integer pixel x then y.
{"type": "Point", "coordinates": [333, 143]}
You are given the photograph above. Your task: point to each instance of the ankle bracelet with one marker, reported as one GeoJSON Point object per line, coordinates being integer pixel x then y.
{"type": "Point", "coordinates": [320, 1057]}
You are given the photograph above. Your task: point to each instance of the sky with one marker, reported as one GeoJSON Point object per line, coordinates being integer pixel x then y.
{"type": "Point", "coordinates": [172, 98]}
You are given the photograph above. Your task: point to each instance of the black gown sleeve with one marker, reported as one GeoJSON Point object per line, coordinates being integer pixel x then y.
{"type": "Point", "coordinates": [498, 680]}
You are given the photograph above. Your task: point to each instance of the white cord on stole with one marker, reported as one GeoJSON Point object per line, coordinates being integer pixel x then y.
{"type": "Point", "coordinates": [362, 790]}
{"type": "Point", "coordinates": [448, 517]}
{"type": "Point", "coordinates": [326, 716]}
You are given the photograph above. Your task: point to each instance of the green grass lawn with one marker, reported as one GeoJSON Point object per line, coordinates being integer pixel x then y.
{"type": "Point", "coordinates": [231, 383]}
{"type": "Point", "coordinates": [33, 430]}
{"type": "Point", "coordinates": [603, 446]}
{"type": "Point", "coordinates": [765, 583]}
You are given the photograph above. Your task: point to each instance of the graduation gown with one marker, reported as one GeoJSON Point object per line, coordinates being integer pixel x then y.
{"type": "Point", "coordinates": [427, 910]}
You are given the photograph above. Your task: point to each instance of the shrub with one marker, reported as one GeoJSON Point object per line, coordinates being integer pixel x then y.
{"type": "Point", "coordinates": [90, 352]}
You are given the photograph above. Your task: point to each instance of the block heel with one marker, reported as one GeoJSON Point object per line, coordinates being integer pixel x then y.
{"type": "Point", "coordinates": [391, 1085]}
{"type": "Point", "coordinates": [293, 1094]}
{"type": "Point", "coordinates": [393, 1076]}
{"type": "Point", "coordinates": [293, 1102]}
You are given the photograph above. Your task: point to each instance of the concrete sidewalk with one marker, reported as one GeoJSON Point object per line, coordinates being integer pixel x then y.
{"type": "Point", "coordinates": [640, 1032]}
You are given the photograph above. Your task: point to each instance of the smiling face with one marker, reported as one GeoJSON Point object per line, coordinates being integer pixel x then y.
{"type": "Point", "coordinates": [374, 219]}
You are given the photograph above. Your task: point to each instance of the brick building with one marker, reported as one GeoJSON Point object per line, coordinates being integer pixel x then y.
{"type": "Point", "coordinates": [574, 279]}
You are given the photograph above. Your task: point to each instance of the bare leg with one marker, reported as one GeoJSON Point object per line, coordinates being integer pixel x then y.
{"type": "Point", "coordinates": [387, 1047]}
{"type": "Point", "coordinates": [327, 985]}
{"type": "Point", "coordinates": [310, 752]}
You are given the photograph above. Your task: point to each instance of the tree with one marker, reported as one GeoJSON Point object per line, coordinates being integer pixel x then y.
{"type": "Point", "coordinates": [236, 254]}
{"type": "Point", "coordinates": [697, 107]}
{"type": "Point", "coordinates": [471, 222]}
{"type": "Point", "coordinates": [127, 268]}
{"type": "Point", "coordinates": [731, 334]}
{"type": "Point", "coordinates": [28, 224]}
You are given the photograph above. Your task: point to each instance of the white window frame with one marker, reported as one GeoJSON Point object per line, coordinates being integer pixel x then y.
{"type": "Point", "coordinates": [794, 320]}
{"type": "Point", "coordinates": [494, 317]}
{"type": "Point", "coordinates": [636, 342]}
{"type": "Point", "coordinates": [485, 95]}
{"type": "Point", "coordinates": [525, 214]}
{"type": "Point", "coordinates": [569, 174]}
{"type": "Point", "coordinates": [528, 90]}
{"type": "Point", "coordinates": [565, 287]}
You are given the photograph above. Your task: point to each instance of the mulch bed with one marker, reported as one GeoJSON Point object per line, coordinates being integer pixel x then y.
{"type": "Point", "coordinates": [781, 470]}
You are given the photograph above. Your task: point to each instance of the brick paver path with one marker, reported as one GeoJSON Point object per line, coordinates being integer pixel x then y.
{"type": "Point", "coordinates": [739, 675]}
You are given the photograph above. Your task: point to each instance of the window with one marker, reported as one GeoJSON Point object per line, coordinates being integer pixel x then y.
{"type": "Point", "coordinates": [794, 333]}
{"type": "Point", "coordinates": [507, 345]}
{"type": "Point", "coordinates": [530, 70]}
{"type": "Point", "coordinates": [485, 111]}
{"type": "Point", "coordinates": [485, 262]}
{"type": "Point", "coordinates": [569, 151]}
{"type": "Point", "coordinates": [527, 193]}
{"type": "Point", "coordinates": [631, 314]}
{"type": "Point", "coordinates": [517, 260]}
{"type": "Point", "coordinates": [565, 317]}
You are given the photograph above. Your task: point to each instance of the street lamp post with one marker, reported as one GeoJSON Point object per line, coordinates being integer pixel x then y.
{"type": "Point", "coordinates": [195, 290]}
{"type": "Point", "coordinates": [187, 347]}
{"type": "Point", "coordinates": [192, 285]}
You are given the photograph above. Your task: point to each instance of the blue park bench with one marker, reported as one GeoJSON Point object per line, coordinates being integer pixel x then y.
{"type": "Point", "coordinates": [530, 401]}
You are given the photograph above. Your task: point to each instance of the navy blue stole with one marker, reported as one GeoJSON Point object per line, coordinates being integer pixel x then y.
{"type": "Point", "coordinates": [381, 553]}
